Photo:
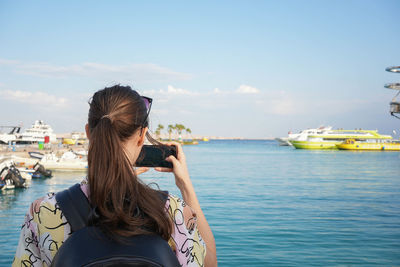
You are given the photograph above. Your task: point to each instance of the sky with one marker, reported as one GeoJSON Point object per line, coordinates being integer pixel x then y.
{"type": "Point", "coordinates": [251, 69]}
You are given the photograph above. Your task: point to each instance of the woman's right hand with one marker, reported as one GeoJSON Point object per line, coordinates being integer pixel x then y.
{"type": "Point", "coordinates": [180, 170]}
{"type": "Point", "coordinates": [183, 182]}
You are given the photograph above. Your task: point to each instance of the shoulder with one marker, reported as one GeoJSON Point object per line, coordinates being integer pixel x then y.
{"type": "Point", "coordinates": [43, 206]}
{"type": "Point", "coordinates": [186, 240]}
{"type": "Point", "coordinates": [50, 221]}
{"type": "Point", "coordinates": [43, 232]}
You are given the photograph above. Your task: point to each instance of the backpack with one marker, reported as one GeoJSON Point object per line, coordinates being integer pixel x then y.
{"type": "Point", "coordinates": [89, 246]}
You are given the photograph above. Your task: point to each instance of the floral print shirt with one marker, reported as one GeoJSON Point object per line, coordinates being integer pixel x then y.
{"type": "Point", "coordinates": [45, 229]}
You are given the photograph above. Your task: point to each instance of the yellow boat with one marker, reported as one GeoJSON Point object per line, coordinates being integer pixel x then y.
{"type": "Point", "coordinates": [68, 141]}
{"type": "Point", "coordinates": [329, 139]}
{"type": "Point", "coordinates": [377, 144]}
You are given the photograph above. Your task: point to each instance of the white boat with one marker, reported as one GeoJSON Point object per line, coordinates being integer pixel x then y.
{"type": "Point", "coordinates": [68, 161]}
{"type": "Point", "coordinates": [36, 155]}
{"type": "Point", "coordinates": [8, 161]}
{"type": "Point", "coordinates": [303, 135]}
{"type": "Point", "coordinates": [35, 134]}
{"type": "Point", "coordinates": [24, 161]}
{"type": "Point", "coordinates": [10, 136]}
{"type": "Point", "coordinates": [10, 177]}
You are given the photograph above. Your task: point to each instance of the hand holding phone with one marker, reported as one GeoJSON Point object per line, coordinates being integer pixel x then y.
{"type": "Point", "coordinates": [154, 156]}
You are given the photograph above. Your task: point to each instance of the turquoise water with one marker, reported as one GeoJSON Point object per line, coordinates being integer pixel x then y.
{"type": "Point", "coordinates": [271, 205]}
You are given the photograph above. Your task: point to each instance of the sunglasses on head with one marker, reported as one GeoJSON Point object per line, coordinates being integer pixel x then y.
{"type": "Point", "coordinates": [147, 101]}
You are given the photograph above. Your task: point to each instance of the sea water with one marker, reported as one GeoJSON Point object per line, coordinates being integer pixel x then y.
{"type": "Point", "coordinates": [269, 205]}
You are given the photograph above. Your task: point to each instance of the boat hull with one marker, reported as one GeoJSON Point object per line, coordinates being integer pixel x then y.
{"type": "Point", "coordinates": [314, 145]}
{"type": "Point", "coordinates": [65, 166]}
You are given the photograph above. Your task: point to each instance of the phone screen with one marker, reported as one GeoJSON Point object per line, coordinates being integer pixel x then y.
{"type": "Point", "coordinates": [154, 156]}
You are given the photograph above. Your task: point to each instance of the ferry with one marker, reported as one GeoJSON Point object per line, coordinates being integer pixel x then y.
{"type": "Point", "coordinates": [370, 144]}
{"type": "Point", "coordinates": [331, 138]}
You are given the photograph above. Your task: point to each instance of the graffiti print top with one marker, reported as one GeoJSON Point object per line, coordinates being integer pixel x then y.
{"type": "Point", "coordinates": [45, 229]}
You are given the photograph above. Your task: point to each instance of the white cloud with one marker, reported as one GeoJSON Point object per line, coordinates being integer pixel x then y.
{"type": "Point", "coordinates": [171, 91]}
{"type": "Point", "coordinates": [34, 98]}
{"type": "Point", "coordinates": [218, 91]}
{"type": "Point", "coordinates": [178, 91]}
{"type": "Point", "coordinates": [143, 72]}
{"type": "Point", "coordinates": [247, 89]}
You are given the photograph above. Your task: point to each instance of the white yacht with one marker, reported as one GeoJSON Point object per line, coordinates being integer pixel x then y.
{"type": "Point", "coordinates": [35, 134]}
{"type": "Point", "coordinates": [10, 136]}
{"type": "Point", "coordinates": [285, 141]}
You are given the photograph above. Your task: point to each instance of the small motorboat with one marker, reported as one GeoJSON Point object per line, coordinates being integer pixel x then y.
{"type": "Point", "coordinates": [36, 155]}
{"type": "Point", "coordinates": [10, 177]}
{"type": "Point", "coordinates": [41, 172]}
{"type": "Point", "coordinates": [69, 161]}
{"type": "Point", "coordinates": [35, 171]}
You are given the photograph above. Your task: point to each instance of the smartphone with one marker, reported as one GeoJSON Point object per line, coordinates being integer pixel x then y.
{"type": "Point", "coordinates": [154, 156]}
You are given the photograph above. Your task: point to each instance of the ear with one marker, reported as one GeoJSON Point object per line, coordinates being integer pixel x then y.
{"type": "Point", "coordinates": [87, 131]}
{"type": "Point", "coordinates": [142, 136]}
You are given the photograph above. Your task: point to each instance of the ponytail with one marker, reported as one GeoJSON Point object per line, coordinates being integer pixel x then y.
{"type": "Point", "coordinates": [125, 205]}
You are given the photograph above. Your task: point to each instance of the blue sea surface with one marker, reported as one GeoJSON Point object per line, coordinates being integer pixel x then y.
{"type": "Point", "coordinates": [269, 205]}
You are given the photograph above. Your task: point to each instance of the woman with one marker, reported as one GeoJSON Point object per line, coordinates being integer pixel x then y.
{"type": "Point", "coordinates": [117, 127]}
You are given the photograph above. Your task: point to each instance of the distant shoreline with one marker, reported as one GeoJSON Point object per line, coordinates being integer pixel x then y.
{"type": "Point", "coordinates": [164, 136]}
{"type": "Point", "coordinates": [242, 138]}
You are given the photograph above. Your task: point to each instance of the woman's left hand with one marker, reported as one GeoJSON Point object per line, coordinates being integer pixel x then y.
{"type": "Point", "coordinates": [141, 170]}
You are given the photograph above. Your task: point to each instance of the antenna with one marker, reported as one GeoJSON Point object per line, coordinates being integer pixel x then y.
{"type": "Point", "coordinates": [394, 104]}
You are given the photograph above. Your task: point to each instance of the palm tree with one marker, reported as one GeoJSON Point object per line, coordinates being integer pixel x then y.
{"type": "Point", "coordinates": [189, 132]}
{"type": "Point", "coordinates": [179, 128]}
{"type": "Point", "coordinates": [158, 130]}
{"type": "Point", "coordinates": [170, 129]}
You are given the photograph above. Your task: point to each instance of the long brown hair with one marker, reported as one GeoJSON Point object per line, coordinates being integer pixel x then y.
{"type": "Point", "coordinates": [126, 205]}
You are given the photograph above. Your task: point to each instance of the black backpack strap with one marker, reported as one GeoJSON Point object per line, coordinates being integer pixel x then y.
{"type": "Point", "coordinates": [75, 207]}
